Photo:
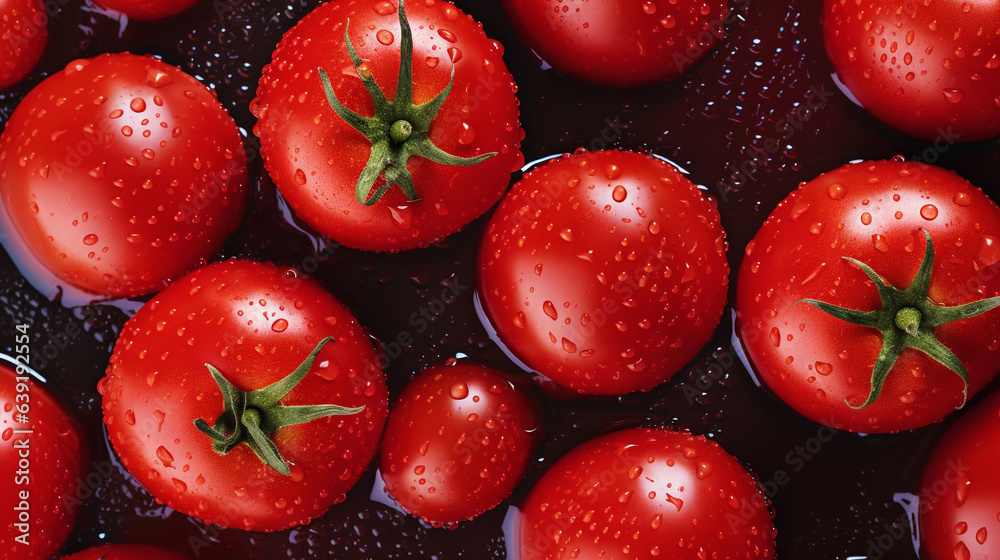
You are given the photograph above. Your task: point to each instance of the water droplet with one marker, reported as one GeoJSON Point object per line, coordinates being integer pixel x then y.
{"type": "Point", "coordinates": [677, 502]}
{"type": "Point", "coordinates": [447, 35]}
{"type": "Point", "coordinates": [836, 191]}
{"type": "Point", "coordinates": [619, 194]}
{"type": "Point", "coordinates": [953, 95]}
{"type": "Point", "coordinates": [138, 105]}
{"type": "Point", "coordinates": [866, 218]}
{"type": "Point", "coordinates": [981, 535]}
{"type": "Point", "coordinates": [962, 199]}
{"type": "Point", "coordinates": [90, 239]}
{"type": "Point", "coordinates": [279, 326]}
{"type": "Point", "coordinates": [704, 470]}
{"type": "Point", "coordinates": [130, 417]}
{"type": "Point", "coordinates": [466, 134]}
{"type": "Point", "coordinates": [519, 320]}
{"type": "Point", "coordinates": [988, 253]}
{"type": "Point", "coordinates": [879, 242]}
{"type": "Point", "coordinates": [300, 177]}
{"type": "Point", "coordinates": [929, 212]}
{"type": "Point", "coordinates": [550, 309]}
{"type": "Point", "coordinates": [384, 8]}
{"type": "Point", "coordinates": [568, 345]}
{"type": "Point", "coordinates": [566, 234]}
{"type": "Point", "coordinates": [775, 336]}
{"type": "Point", "coordinates": [824, 368]}
{"type": "Point", "coordinates": [156, 78]}
{"type": "Point", "coordinates": [401, 216]}
{"type": "Point", "coordinates": [164, 456]}
{"type": "Point", "coordinates": [459, 391]}
{"type": "Point", "coordinates": [179, 485]}
{"type": "Point", "coordinates": [385, 37]}
{"type": "Point", "coordinates": [649, 7]}
{"type": "Point", "coordinates": [962, 552]}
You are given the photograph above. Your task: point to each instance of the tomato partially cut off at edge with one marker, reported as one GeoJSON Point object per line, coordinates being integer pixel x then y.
{"type": "Point", "coordinates": [316, 158]}
{"type": "Point", "coordinates": [959, 515]}
{"type": "Point", "coordinates": [605, 272]}
{"type": "Point", "coordinates": [458, 441]}
{"type": "Point", "coordinates": [147, 10]}
{"type": "Point", "coordinates": [55, 465]}
{"type": "Point", "coordinates": [620, 42]}
{"type": "Point", "coordinates": [879, 213]}
{"type": "Point", "coordinates": [256, 324]}
{"type": "Point", "coordinates": [644, 494]}
{"type": "Point", "coordinates": [23, 35]}
{"type": "Point", "coordinates": [930, 69]}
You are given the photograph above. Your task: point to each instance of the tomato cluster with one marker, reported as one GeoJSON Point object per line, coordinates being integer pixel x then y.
{"type": "Point", "coordinates": [245, 395]}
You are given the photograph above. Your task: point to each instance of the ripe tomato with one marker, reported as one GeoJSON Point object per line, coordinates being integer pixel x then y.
{"type": "Point", "coordinates": [643, 494]}
{"type": "Point", "coordinates": [960, 495]}
{"type": "Point", "coordinates": [930, 69]}
{"type": "Point", "coordinates": [888, 216]}
{"type": "Point", "coordinates": [605, 272]}
{"type": "Point", "coordinates": [191, 410]}
{"type": "Point", "coordinates": [619, 42]}
{"type": "Point", "coordinates": [23, 35]}
{"type": "Point", "coordinates": [340, 180]}
{"type": "Point", "coordinates": [126, 552]}
{"type": "Point", "coordinates": [41, 469]}
{"type": "Point", "coordinates": [147, 10]}
{"type": "Point", "coordinates": [457, 442]}
{"type": "Point", "coordinates": [120, 174]}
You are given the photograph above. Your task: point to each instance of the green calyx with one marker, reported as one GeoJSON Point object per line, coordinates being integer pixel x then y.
{"type": "Point", "coordinates": [907, 319]}
{"type": "Point", "coordinates": [399, 129]}
{"type": "Point", "coordinates": [252, 417]}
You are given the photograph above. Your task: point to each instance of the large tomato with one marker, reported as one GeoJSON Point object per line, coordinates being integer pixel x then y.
{"type": "Point", "coordinates": [960, 497]}
{"type": "Point", "coordinates": [41, 458]}
{"type": "Point", "coordinates": [457, 443]}
{"type": "Point", "coordinates": [849, 296]}
{"type": "Point", "coordinates": [335, 156]}
{"type": "Point", "coordinates": [126, 552]}
{"type": "Point", "coordinates": [643, 494]}
{"type": "Point", "coordinates": [120, 174]}
{"type": "Point", "coordinates": [930, 69]}
{"type": "Point", "coordinates": [23, 36]}
{"type": "Point", "coordinates": [245, 396]}
{"type": "Point", "coordinates": [605, 272]}
{"type": "Point", "coordinates": [620, 42]}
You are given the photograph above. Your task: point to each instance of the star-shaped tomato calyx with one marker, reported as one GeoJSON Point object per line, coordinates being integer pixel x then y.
{"type": "Point", "coordinates": [399, 129]}
{"type": "Point", "coordinates": [907, 319]}
{"type": "Point", "coordinates": [252, 417]}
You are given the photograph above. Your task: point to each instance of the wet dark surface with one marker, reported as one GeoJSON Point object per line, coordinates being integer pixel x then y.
{"type": "Point", "coordinates": [833, 499]}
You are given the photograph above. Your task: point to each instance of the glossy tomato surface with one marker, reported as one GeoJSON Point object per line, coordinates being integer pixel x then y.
{"type": "Point", "coordinates": [316, 158]}
{"type": "Point", "coordinates": [119, 174]}
{"type": "Point", "coordinates": [255, 323]}
{"type": "Point", "coordinates": [930, 69]}
{"type": "Point", "coordinates": [23, 36]}
{"type": "Point", "coordinates": [147, 10]}
{"type": "Point", "coordinates": [876, 213]}
{"type": "Point", "coordinates": [647, 493]}
{"type": "Point", "coordinates": [620, 43]}
{"type": "Point", "coordinates": [126, 552]}
{"type": "Point", "coordinates": [960, 494]}
{"type": "Point", "coordinates": [458, 441]}
{"type": "Point", "coordinates": [604, 271]}
{"type": "Point", "coordinates": [42, 457]}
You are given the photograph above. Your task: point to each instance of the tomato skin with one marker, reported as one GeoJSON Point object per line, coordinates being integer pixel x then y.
{"type": "Point", "coordinates": [23, 36]}
{"type": "Point", "coordinates": [601, 296]}
{"type": "Point", "coordinates": [647, 493]}
{"type": "Point", "coordinates": [183, 187]}
{"type": "Point", "coordinates": [457, 442]}
{"type": "Point", "coordinates": [619, 42]}
{"type": "Point", "coordinates": [147, 10]}
{"type": "Point", "coordinates": [797, 253]}
{"type": "Point", "coordinates": [126, 552]}
{"type": "Point", "coordinates": [316, 158]}
{"type": "Point", "coordinates": [255, 323]}
{"type": "Point", "coordinates": [920, 66]}
{"type": "Point", "coordinates": [959, 497]}
{"type": "Point", "coordinates": [56, 459]}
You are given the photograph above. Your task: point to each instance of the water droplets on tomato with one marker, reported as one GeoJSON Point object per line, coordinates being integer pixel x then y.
{"type": "Point", "coordinates": [385, 37]}
{"type": "Point", "coordinates": [928, 212]}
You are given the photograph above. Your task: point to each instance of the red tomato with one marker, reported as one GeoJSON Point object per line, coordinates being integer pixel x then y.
{"type": "Point", "coordinates": [23, 35]}
{"type": "Point", "coordinates": [930, 69]}
{"type": "Point", "coordinates": [147, 10]}
{"type": "Point", "coordinates": [121, 173]}
{"type": "Point", "coordinates": [241, 326]}
{"type": "Point", "coordinates": [620, 42]}
{"type": "Point", "coordinates": [42, 470]}
{"type": "Point", "coordinates": [960, 500]}
{"type": "Point", "coordinates": [605, 272]}
{"type": "Point", "coordinates": [457, 442]}
{"type": "Point", "coordinates": [643, 494]}
{"type": "Point", "coordinates": [885, 215]}
{"type": "Point", "coordinates": [126, 552]}
{"type": "Point", "coordinates": [338, 179]}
